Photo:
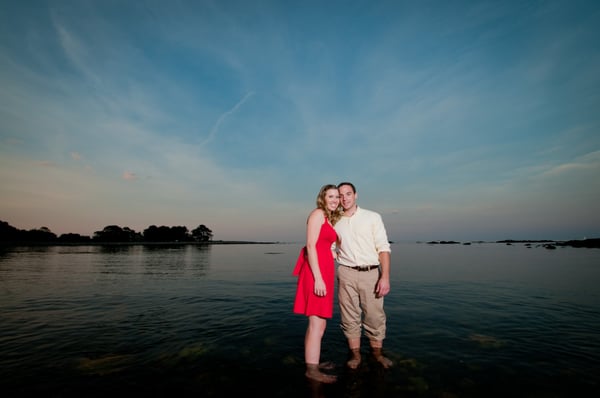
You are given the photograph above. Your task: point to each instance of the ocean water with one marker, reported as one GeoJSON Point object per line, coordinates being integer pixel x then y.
{"type": "Point", "coordinates": [480, 320]}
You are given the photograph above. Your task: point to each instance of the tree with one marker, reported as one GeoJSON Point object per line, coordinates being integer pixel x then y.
{"type": "Point", "coordinates": [73, 238]}
{"type": "Point", "coordinates": [43, 234]}
{"type": "Point", "coordinates": [202, 233]}
{"type": "Point", "coordinates": [114, 233]}
{"type": "Point", "coordinates": [180, 234]}
{"type": "Point", "coordinates": [166, 234]}
{"type": "Point", "coordinates": [8, 232]}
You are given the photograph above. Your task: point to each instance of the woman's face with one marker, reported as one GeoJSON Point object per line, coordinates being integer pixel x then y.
{"type": "Point", "coordinates": [332, 199]}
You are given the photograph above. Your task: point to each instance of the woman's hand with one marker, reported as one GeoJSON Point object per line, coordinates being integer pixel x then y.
{"type": "Point", "coordinates": [320, 289]}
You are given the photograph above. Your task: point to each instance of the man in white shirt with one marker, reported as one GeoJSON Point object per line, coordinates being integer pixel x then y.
{"type": "Point", "coordinates": [363, 276]}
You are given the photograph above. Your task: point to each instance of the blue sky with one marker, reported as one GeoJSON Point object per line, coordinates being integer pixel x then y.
{"type": "Point", "coordinates": [456, 120]}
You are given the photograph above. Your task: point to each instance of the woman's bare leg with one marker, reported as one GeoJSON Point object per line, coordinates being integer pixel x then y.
{"type": "Point", "coordinates": [312, 349]}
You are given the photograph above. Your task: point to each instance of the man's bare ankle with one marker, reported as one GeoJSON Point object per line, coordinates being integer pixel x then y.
{"type": "Point", "coordinates": [379, 357]}
{"type": "Point", "coordinates": [355, 358]}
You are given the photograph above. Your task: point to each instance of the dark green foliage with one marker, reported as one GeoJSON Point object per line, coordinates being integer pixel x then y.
{"type": "Point", "coordinates": [110, 234]}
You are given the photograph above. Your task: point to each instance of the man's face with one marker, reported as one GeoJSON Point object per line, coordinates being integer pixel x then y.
{"type": "Point", "coordinates": [347, 197]}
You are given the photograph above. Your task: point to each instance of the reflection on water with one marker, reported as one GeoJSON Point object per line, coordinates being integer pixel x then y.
{"type": "Point", "coordinates": [478, 320]}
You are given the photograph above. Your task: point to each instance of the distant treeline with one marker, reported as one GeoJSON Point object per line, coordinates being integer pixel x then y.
{"type": "Point", "coordinates": [110, 234]}
{"type": "Point", "coordinates": [548, 244]}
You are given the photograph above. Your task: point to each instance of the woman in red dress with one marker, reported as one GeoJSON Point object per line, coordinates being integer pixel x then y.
{"type": "Point", "coordinates": [315, 269]}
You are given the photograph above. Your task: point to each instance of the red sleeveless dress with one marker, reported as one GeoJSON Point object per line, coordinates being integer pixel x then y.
{"type": "Point", "coordinates": [306, 302]}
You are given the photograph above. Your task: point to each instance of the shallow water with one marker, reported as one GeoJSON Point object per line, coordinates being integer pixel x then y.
{"type": "Point", "coordinates": [486, 319]}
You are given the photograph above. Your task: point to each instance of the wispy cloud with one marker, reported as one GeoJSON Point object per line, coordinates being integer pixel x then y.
{"type": "Point", "coordinates": [589, 163]}
{"type": "Point", "coordinates": [223, 116]}
{"type": "Point", "coordinates": [128, 175]}
{"type": "Point", "coordinates": [77, 52]}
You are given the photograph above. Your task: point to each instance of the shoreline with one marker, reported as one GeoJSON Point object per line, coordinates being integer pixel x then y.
{"type": "Point", "coordinates": [95, 243]}
{"type": "Point", "coordinates": [546, 243]}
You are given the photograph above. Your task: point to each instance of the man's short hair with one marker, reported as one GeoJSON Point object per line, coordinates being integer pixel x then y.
{"type": "Point", "coordinates": [349, 184]}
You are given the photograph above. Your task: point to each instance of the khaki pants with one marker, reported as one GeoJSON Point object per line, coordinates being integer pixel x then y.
{"type": "Point", "coordinates": [359, 307]}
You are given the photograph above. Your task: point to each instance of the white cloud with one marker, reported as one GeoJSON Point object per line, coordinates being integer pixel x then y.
{"type": "Point", "coordinates": [128, 175]}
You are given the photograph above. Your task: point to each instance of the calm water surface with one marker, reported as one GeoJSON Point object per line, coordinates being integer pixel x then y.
{"type": "Point", "coordinates": [483, 320]}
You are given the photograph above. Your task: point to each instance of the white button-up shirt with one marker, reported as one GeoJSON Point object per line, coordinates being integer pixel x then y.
{"type": "Point", "coordinates": [362, 236]}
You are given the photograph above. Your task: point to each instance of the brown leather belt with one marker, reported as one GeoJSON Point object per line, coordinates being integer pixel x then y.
{"type": "Point", "coordinates": [363, 268]}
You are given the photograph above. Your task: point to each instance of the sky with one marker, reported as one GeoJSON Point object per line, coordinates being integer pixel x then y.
{"type": "Point", "coordinates": [456, 120]}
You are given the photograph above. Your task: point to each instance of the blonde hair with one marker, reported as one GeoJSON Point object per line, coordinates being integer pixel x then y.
{"type": "Point", "coordinates": [332, 216]}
